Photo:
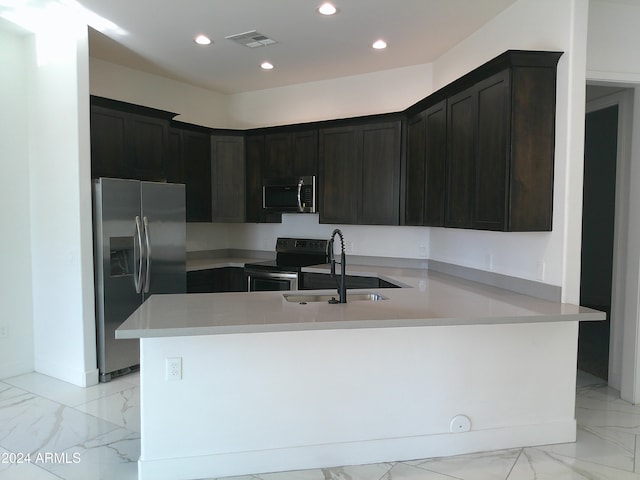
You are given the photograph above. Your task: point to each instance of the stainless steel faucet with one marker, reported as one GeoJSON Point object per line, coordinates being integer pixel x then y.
{"type": "Point", "coordinates": [342, 286]}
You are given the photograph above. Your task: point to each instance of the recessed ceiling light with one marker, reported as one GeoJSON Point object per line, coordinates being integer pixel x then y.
{"type": "Point", "coordinates": [379, 44]}
{"type": "Point", "coordinates": [202, 40]}
{"type": "Point", "coordinates": [327, 9]}
{"type": "Point", "coordinates": [266, 66]}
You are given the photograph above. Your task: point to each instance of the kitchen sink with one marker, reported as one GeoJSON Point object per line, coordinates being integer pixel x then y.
{"type": "Point", "coordinates": [351, 297]}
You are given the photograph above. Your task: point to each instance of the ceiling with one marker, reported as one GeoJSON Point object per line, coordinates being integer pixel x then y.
{"type": "Point", "coordinates": [157, 36]}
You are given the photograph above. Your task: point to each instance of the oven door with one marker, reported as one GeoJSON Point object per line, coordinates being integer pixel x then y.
{"type": "Point", "coordinates": [261, 281]}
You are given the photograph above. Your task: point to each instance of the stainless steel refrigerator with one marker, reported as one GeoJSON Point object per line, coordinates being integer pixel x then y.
{"type": "Point", "coordinates": [139, 235]}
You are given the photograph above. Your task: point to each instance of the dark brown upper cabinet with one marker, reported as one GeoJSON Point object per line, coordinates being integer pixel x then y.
{"type": "Point", "coordinates": [498, 146]}
{"type": "Point", "coordinates": [108, 144]}
{"type": "Point", "coordinates": [305, 153]}
{"type": "Point", "coordinates": [360, 173]}
{"type": "Point", "coordinates": [290, 154]}
{"type": "Point", "coordinates": [227, 178]}
{"type": "Point", "coordinates": [129, 141]}
{"type": "Point", "coordinates": [379, 198]}
{"type": "Point", "coordinates": [278, 155]}
{"type": "Point", "coordinates": [425, 166]}
{"type": "Point", "coordinates": [254, 155]}
{"type": "Point", "coordinates": [461, 143]}
{"type": "Point", "coordinates": [491, 203]}
{"type": "Point", "coordinates": [190, 163]}
{"type": "Point", "coordinates": [339, 175]}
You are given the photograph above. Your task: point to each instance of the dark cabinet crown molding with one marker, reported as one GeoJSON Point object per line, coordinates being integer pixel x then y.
{"type": "Point", "coordinates": [130, 108]}
{"type": "Point", "coordinates": [510, 58]}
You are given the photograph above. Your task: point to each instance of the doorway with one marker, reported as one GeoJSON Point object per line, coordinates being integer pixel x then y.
{"type": "Point", "coordinates": [598, 227]}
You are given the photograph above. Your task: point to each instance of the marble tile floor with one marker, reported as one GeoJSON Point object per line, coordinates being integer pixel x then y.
{"type": "Point", "coordinates": [93, 434]}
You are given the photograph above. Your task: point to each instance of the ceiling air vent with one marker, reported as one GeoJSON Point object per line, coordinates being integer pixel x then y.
{"type": "Point", "coordinates": [251, 39]}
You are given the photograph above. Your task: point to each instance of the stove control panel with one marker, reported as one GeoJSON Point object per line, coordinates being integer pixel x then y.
{"type": "Point", "coordinates": [301, 245]}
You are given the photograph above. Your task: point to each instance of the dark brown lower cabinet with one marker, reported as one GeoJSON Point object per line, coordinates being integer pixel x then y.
{"type": "Point", "coordinates": [215, 280]}
{"type": "Point", "coordinates": [324, 281]}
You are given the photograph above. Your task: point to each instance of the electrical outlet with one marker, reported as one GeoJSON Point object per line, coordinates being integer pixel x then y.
{"type": "Point", "coordinates": [422, 251]}
{"type": "Point", "coordinates": [348, 247]}
{"type": "Point", "coordinates": [174, 368]}
{"type": "Point", "coordinates": [4, 331]}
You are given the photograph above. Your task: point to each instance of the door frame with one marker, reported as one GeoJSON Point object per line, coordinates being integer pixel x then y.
{"type": "Point", "coordinates": [623, 343]}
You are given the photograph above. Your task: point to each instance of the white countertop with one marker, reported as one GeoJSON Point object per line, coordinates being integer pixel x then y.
{"type": "Point", "coordinates": [430, 299]}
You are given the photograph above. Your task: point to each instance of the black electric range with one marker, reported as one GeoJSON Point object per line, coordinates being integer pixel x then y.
{"type": "Point", "coordinates": [283, 273]}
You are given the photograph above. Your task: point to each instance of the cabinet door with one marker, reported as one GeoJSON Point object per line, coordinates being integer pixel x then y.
{"type": "Point", "coordinates": [196, 158]}
{"type": "Point", "coordinates": [491, 178]}
{"type": "Point", "coordinates": [533, 146]}
{"type": "Point", "coordinates": [254, 145]}
{"type": "Point", "coordinates": [200, 281]}
{"type": "Point", "coordinates": [227, 178]}
{"type": "Point", "coordinates": [415, 171]}
{"type": "Point", "coordinates": [278, 155]}
{"type": "Point", "coordinates": [148, 147]}
{"type": "Point", "coordinates": [435, 159]}
{"type": "Point", "coordinates": [461, 142]}
{"type": "Point", "coordinates": [379, 199]}
{"type": "Point", "coordinates": [175, 167]}
{"type": "Point", "coordinates": [339, 175]}
{"type": "Point", "coordinates": [305, 153]}
{"type": "Point", "coordinates": [108, 129]}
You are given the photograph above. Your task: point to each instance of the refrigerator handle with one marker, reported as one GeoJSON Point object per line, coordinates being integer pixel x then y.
{"type": "Point", "coordinates": [147, 242]}
{"type": "Point", "coordinates": [137, 257]}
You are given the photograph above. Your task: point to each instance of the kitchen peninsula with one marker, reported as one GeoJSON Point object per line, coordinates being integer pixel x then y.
{"type": "Point", "coordinates": [444, 367]}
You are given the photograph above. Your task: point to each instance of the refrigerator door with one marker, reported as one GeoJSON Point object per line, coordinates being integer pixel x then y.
{"type": "Point", "coordinates": [164, 224]}
{"type": "Point", "coordinates": [117, 248]}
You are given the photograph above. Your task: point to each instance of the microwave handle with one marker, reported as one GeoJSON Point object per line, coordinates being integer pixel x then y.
{"type": "Point", "coordinates": [300, 183]}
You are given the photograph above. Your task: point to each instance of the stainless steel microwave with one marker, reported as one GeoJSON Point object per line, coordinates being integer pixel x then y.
{"type": "Point", "coordinates": [293, 194]}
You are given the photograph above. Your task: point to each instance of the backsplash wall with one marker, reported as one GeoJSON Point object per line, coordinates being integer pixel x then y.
{"type": "Point", "coordinates": [365, 240]}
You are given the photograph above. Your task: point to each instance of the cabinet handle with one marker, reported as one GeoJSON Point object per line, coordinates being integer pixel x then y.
{"type": "Point", "coordinates": [147, 276]}
{"type": "Point", "coordinates": [300, 183]}
{"type": "Point", "coordinates": [137, 257]}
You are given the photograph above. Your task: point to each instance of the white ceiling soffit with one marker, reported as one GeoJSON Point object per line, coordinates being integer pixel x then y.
{"type": "Point", "coordinates": [157, 36]}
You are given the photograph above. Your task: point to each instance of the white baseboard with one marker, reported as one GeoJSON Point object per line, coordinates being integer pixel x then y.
{"type": "Point", "coordinates": [355, 453]}
{"type": "Point", "coordinates": [67, 373]}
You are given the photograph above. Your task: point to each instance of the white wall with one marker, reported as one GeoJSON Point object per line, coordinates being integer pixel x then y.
{"type": "Point", "coordinates": [60, 197]}
{"type": "Point", "coordinates": [381, 241]}
{"type": "Point", "coordinates": [379, 92]}
{"type": "Point", "coordinates": [192, 104]}
{"type": "Point", "coordinates": [323, 398]}
{"type": "Point", "coordinates": [47, 245]}
{"type": "Point", "coordinates": [16, 317]}
{"type": "Point", "coordinates": [612, 52]}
